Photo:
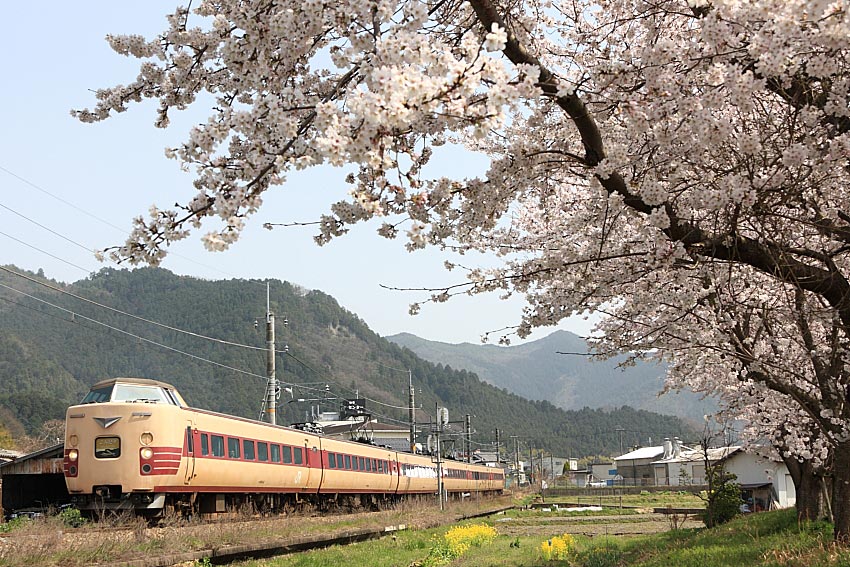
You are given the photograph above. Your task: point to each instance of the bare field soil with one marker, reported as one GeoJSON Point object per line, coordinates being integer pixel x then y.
{"type": "Point", "coordinates": [633, 524]}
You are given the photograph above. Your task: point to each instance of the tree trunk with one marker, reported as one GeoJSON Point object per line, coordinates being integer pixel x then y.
{"type": "Point", "coordinates": [809, 489]}
{"type": "Point", "coordinates": [841, 492]}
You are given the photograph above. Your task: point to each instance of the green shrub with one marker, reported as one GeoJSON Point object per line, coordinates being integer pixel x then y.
{"type": "Point", "coordinates": [723, 499]}
{"type": "Point", "coordinates": [72, 517]}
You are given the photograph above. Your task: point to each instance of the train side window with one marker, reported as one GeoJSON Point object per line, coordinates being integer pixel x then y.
{"type": "Point", "coordinates": [262, 451]}
{"type": "Point", "coordinates": [217, 446]}
{"type": "Point", "coordinates": [387, 468]}
{"type": "Point", "coordinates": [331, 461]}
{"type": "Point", "coordinates": [233, 448]}
{"type": "Point", "coordinates": [287, 455]}
{"type": "Point", "coordinates": [275, 453]}
{"type": "Point", "coordinates": [380, 466]}
{"type": "Point", "coordinates": [205, 444]}
{"type": "Point", "coordinates": [368, 465]}
{"type": "Point", "coordinates": [248, 449]}
{"type": "Point", "coordinates": [362, 464]}
{"type": "Point", "coordinates": [296, 455]}
{"type": "Point", "coordinates": [348, 462]}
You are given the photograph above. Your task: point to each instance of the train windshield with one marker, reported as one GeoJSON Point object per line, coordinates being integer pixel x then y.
{"type": "Point", "coordinates": [132, 393]}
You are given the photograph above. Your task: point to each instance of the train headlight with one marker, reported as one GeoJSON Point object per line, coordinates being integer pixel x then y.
{"type": "Point", "coordinates": [146, 453]}
{"type": "Point", "coordinates": [73, 440]}
{"type": "Point", "coordinates": [73, 454]}
{"type": "Point", "coordinates": [146, 438]}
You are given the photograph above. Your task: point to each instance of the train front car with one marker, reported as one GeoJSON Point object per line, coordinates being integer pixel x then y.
{"type": "Point", "coordinates": [121, 441]}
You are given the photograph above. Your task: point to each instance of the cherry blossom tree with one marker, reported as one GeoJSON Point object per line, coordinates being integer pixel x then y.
{"type": "Point", "coordinates": [656, 160]}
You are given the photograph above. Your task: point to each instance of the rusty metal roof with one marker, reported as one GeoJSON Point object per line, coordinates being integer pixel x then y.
{"type": "Point", "coordinates": [44, 460]}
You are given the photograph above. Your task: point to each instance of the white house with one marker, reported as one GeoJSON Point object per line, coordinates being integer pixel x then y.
{"type": "Point", "coordinates": [765, 482]}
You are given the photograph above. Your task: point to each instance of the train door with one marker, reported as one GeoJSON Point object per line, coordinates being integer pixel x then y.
{"type": "Point", "coordinates": [313, 465]}
{"type": "Point", "coordinates": [191, 445]}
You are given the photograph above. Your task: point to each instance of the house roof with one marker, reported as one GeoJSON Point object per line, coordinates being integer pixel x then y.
{"type": "Point", "coordinates": [9, 454]}
{"type": "Point", "coordinates": [695, 455]}
{"type": "Point", "coordinates": [642, 453]}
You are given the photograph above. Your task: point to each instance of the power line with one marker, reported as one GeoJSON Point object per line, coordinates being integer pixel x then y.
{"type": "Point", "coordinates": [113, 309]}
{"type": "Point", "coordinates": [307, 366]}
{"type": "Point", "coordinates": [48, 229]}
{"type": "Point", "coordinates": [47, 253]}
{"type": "Point", "coordinates": [139, 337]}
{"type": "Point", "coordinates": [105, 222]}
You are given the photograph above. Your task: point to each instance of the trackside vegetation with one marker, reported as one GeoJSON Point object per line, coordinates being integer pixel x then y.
{"type": "Point", "coordinates": [764, 539]}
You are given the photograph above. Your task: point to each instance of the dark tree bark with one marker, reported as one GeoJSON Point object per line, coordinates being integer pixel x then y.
{"type": "Point", "coordinates": [810, 489]}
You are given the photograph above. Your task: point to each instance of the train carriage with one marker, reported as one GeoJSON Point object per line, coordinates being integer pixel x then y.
{"type": "Point", "coordinates": [136, 444]}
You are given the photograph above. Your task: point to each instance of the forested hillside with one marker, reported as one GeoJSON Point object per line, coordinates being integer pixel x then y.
{"type": "Point", "coordinates": [557, 368]}
{"type": "Point", "coordinates": [54, 345]}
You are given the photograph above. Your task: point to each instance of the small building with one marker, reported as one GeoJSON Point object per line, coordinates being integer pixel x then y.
{"type": "Point", "coordinates": [636, 468]}
{"type": "Point", "coordinates": [554, 467]}
{"type": "Point", "coordinates": [34, 481]}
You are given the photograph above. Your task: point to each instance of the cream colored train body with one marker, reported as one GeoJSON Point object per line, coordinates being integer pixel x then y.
{"type": "Point", "coordinates": [135, 444]}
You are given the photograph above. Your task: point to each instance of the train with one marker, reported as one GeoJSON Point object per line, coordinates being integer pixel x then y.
{"type": "Point", "coordinates": [134, 444]}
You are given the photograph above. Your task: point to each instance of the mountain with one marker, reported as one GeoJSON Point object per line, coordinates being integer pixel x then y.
{"type": "Point", "coordinates": [56, 339]}
{"type": "Point", "coordinates": [535, 370]}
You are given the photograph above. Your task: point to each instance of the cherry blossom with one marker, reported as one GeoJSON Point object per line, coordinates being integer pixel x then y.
{"type": "Point", "coordinates": [679, 166]}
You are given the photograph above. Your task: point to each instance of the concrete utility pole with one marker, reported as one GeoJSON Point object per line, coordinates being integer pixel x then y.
{"type": "Point", "coordinates": [498, 446]}
{"type": "Point", "coordinates": [411, 412]}
{"type": "Point", "coordinates": [620, 431]}
{"type": "Point", "coordinates": [531, 458]}
{"type": "Point", "coordinates": [271, 389]}
{"type": "Point", "coordinates": [467, 430]}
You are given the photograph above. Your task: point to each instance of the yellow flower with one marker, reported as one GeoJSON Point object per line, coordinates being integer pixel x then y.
{"type": "Point", "coordinates": [558, 548]}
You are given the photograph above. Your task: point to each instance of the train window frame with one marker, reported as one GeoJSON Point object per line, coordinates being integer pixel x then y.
{"type": "Point", "coordinates": [287, 455]}
{"type": "Point", "coordinates": [234, 448]}
{"type": "Point", "coordinates": [368, 465]}
{"type": "Point", "coordinates": [355, 463]}
{"type": "Point", "coordinates": [98, 396]}
{"type": "Point", "coordinates": [217, 446]}
{"type": "Point", "coordinates": [172, 398]}
{"type": "Point", "coordinates": [380, 466]}
{"type": "Point", "coordinates": [262, 451]}
{"type": "Point", "coordinates": [362, 463]}
{"type": "Point", "coordinates": [275, 453]}
{"type": "Point", "coordinates": [205, 445]}
{"type": "Point", "coordinates": [348, 462]}
{"type": "Point", "coordinates": [249, 450]}
{"type": "Point", "coordinates": [331, 461]}
{"type": "Point", "coordinates": [297, 456]}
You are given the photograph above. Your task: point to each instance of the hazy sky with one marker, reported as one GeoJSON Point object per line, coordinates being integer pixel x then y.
{"type": "Point", "coordinates": [107, 173]}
